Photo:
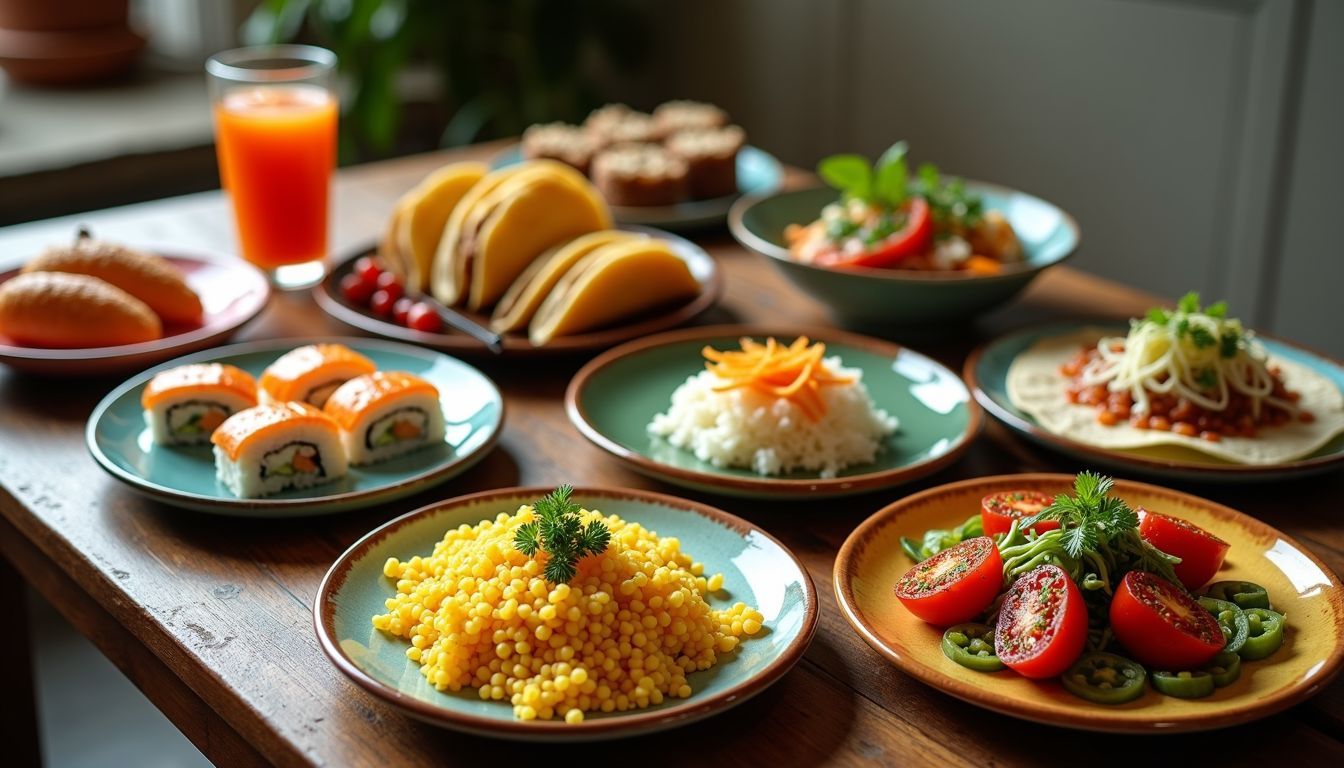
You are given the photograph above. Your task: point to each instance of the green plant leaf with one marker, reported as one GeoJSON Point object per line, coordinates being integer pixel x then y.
{"type": "Point", "coordinates": [848, 173]}
{"type": "Point", "coordinates": [1189, 303]}
{"type": "Point", "coordinates": [890, 175]}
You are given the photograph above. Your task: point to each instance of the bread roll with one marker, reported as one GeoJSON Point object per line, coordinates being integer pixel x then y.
{"type": "Point", "coordinates": [146, 276]}
{"type": "Point", "coordinates": [55, 309]}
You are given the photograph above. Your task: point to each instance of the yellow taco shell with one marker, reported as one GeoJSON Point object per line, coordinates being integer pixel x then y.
{"type": "Point", "coordinates": [610, 284]}
{"type": "Point", "coordinates": [520, 303]}
{"type": "Point", "coordinates": [448, 274]}
{"type": "Point", "coordinates": [424, 213]}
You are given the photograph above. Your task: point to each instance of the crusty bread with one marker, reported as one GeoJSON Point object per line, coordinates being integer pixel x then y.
{"type": "Point", "coordinates": [640, 174]}
{"type": "Point", "coordinates": [56, 309]}
{"type": "Point", "coordinates": [680, 115]}
{"type": "Point", "coordinates": [570, 144]}
{"type": "Point", "coordinates": [146, 276]}
{"type": "Point", "coordinates": [711, 159]}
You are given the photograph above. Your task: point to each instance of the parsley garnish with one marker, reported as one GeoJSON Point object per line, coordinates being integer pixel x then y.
{"type": "Point", "coordinates": [559, 531]}
{"type": "Point", "coordinates": [887, 184]}
{"type": "Point", "coordinates": [1201, 337]}
{"type": "Point", "coordinates": [1090, 516]}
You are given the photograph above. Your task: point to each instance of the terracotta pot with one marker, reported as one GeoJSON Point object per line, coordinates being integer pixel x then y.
{"type": "Point", "coordinates": [71, 42]}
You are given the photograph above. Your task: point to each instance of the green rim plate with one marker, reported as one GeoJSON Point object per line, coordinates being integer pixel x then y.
{"type": "Point", "coordinates": [756, 568]}
{"type": "Point", "coordinates": [613, 398]}
{"type": "Point", "coordinates": [987, 373]}
{"type": "Point", "coordinates": [185, 477]}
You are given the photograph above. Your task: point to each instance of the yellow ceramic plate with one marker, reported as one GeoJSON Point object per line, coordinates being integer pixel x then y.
{"type": "Point", "coordinates": [1299, 585]}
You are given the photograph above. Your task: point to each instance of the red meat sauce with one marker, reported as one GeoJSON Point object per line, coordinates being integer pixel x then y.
{"type": "Point", "coordinates": [1173, 413]}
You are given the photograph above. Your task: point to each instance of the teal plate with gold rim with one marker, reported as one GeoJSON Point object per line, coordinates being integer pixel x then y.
{"type": "Point", "coordinates": [473, 410]}
{"type": "Point", "coordinates": [612, 399]}
{"type": "Point", "coordinates": [757, 570]}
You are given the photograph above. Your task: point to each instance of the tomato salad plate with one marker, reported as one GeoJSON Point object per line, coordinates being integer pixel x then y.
{"type": "Point", "coordinates": [231, 293]}
{"type": "Point", "coordinates": [689, 611]}
{"type": "Point", "coordinates": [773, 412]}
{"type": "Point", "coordinates": [339, 294]}
{"type": "Point", "coordinates": [124, 441]}
{"type": "Point", "coordinates": [1092, 603]}
{"type": "Point", "coordinates": [1184, 392]}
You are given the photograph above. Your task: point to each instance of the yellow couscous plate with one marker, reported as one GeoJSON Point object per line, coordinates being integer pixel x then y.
{"type": "Point", "coordinates": [1299, 586]}
{"type": "Point", "coordinates": [772, 628]}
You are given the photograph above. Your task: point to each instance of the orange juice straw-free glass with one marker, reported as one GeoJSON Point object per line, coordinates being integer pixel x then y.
{"type": "Point", "coordinates": [275, 137]}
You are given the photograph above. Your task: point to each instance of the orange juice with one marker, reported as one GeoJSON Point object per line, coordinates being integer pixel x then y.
{"type": "Point", "coordinates": [277, 149]}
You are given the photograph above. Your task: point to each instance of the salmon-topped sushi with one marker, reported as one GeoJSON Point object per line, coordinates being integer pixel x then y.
{"type": "Point", "coordinates": [184, 405]}
{"type": "Point", "coordinates": [275, 446]}
{"type": "Point", "coordinates": [386, 414]}
{"type": "Point", "coordinates": [310, 374]}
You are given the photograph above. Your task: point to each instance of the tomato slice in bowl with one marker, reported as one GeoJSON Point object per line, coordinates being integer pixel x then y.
{"type": "Point", "coordinates": [1201, 552]}
{"type": "Point", "coordinates": [1042, 625]}
{"type": "Point", "coordinates": [999, 510]}
{"type": "Point", "coordinates": [1161, 625]}
{"type": "Point", "coordinates": [955, 585]}
{"type": "Point", "coordinates": [914, 237]}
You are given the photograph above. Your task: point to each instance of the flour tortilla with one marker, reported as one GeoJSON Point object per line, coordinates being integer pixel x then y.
{"type": "Point", "coordinates": [1036, 387]}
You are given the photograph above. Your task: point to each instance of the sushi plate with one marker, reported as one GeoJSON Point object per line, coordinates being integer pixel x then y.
{"type": "Point", "coordinates": [232, 292]}
{"type": "Point", "coordinates": [758, 173]}
{"type": "Point", "coordinates": [1300, 586]}
{"type": "Point", "coordinates": [473, 409]}
{"type": "Point", "coordinates": [986, 372]}
{"type": "Point", "coordinates": [757, 570]}
{"type": "Point", "coordinates": [703, 267]}
{"type": "Point", "coordinates": [612, 399]}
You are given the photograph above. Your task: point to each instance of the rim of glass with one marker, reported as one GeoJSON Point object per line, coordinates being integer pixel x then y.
{"type": "Point", "coordinates": [309, 61]}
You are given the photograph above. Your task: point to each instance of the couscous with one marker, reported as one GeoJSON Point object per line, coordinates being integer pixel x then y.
{"type": "Point", "coordinates": [622, 634]}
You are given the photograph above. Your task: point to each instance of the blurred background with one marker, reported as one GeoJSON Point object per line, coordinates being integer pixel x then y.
{"type": "Point", "coordinates": [1197, 142]}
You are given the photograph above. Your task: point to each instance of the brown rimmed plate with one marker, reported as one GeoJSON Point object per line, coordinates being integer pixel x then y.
{"type": "Point", "coordinates": [612, 399]}
{"type": "Point", "coordinates": [986, 372]}
{"type": "Point", "coordinates": [703, 267]}
{"type": "Point", "coordinates": [184, 476]}
{"type": "Point", "coordinates": [757, 570]}
{"type": "Point", "coordinates": [232, 293]}
{"type": "Point", "coordinates": [871, 561]}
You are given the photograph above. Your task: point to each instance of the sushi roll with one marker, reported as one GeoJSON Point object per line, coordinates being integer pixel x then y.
{"type": "Point", "coordinates": [184, 405]}
{"type": "Point", "coordinates": [272, 447]}
{"type": "Point", "coordinates": [386, 414]}
{"type": "Point", "coordinates": [310, 374]}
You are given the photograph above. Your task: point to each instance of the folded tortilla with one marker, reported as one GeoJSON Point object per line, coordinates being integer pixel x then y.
{"type": "Point", "coordinates": [1036, 387]}
{"type": "Point", "coordinates": [520, 303]}
{"type": "Point", "coordinates": [424, 212]}
{"type": "Point", "coordinates": [613, 283]}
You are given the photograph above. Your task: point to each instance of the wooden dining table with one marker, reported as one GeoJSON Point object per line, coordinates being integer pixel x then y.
{"type": "Point", "coordinates": [212, 617]}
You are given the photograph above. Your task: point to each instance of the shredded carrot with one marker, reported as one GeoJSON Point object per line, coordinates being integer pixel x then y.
{"type": "Point", "coordinates": [795, 372]}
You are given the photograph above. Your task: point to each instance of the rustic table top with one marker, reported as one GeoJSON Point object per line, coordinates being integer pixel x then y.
{"type": "Point", "coordinates": [212, 617]}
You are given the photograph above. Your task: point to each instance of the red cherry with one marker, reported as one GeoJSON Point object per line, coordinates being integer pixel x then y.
{"type": "Point", "coordinates": [368, 270]}
{"type": "Point", "coordinates": [392, 284]}
{"type": "Point", "coordinates": [355, 290]}
{"type": "Point", "coordinates": [399, 310]}
{"type": "Point", "coordinates": [422, 317]}
{"type": "Point", "coordinates": [382, 302]}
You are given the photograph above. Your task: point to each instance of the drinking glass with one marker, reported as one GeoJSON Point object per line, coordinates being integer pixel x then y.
{"type": "Point", "coordinates": [275, 136]}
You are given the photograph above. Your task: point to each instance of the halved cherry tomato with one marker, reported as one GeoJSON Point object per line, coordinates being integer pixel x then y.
{"type": "Point", "coordinates": [955, 585]}
{"type": "Point", "coordinates": [1201, 552]}
{"type": "Point", "coordinates": [1043, 623]}
{"type": "Point", "coordinates": [999, 510]}
{"type": "Point", "coordinates": [1161, 625]}
{"type": "Point", "coordinates": [909, 240]}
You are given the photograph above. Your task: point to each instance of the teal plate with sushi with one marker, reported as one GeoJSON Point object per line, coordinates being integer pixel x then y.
{"type": "Point", "coordinates": [757, 570]}
{"type": "Point", "coordinates": [614, 398]}
{"type": "Point", "coordinates": [184, 476]}
{"type": "Point", "coordinates": [986, 372]}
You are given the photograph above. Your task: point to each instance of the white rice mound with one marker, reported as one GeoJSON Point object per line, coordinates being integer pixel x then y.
{"type": "Point", "coordinates": [771, 436]}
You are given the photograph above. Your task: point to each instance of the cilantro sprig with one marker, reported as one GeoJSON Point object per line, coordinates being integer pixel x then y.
{"type": "Point", "coordinates": [560, 533]}
{"type": "Point", "coordinates": [1228, 336]}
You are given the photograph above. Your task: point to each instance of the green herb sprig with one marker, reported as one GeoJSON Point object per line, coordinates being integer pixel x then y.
{"type": "Point", "coordinates": [887, 183]}
{"type": "Point", "coordinates": [1229, 338]}
{"type": "Point", "coordinates": [1097, 542]}
{"type": "Point", "coordinates": [561, 534]}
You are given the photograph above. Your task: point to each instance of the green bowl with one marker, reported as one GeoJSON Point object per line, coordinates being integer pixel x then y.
{"type": "Point", "coordinates": [877, 299]}
{"type": "Point", "coordinates": [757, 570]}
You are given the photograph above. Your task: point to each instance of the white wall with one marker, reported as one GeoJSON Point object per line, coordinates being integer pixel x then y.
{"type": "Point", "coordinates": [1192, 139]}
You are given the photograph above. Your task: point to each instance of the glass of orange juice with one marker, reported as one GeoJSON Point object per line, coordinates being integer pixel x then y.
{"type": "Point", "coordinates": [275, 136]}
